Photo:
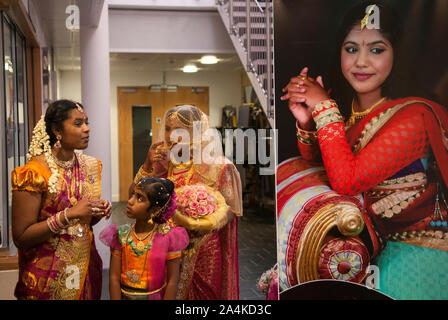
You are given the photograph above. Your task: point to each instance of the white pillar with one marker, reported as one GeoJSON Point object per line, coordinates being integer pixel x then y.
{"type": "Point", "coordinates": [95, 90]}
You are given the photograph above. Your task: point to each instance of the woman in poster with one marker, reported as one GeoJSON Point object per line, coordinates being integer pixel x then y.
{"type": "Point", "coordinates": [377, 139]}
{"type": "Point", "coordinates": [209, 266]}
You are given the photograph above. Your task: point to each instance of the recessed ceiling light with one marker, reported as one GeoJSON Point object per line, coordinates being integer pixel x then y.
{"type": "Point", "coordinates": [209, 60]}
{"type": "Point", "coordinates": [190, 68]}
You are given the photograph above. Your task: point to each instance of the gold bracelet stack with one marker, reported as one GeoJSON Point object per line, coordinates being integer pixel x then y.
{"type": "Point", "coordinates": [325, 113]}
{"type": "Point", "coordinates": [143, 174]}
{"type": "Point", "coordinates": [306, 137]}
{"type": "Point", "coordinates": [54, 222]}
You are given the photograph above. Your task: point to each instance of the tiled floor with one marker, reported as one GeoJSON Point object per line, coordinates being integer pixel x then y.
{"type": "Point", "coordinates": [257, 248]}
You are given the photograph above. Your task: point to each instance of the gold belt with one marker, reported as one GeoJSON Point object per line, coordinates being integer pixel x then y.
{"type": "Point", "coordinates": [142, 293]}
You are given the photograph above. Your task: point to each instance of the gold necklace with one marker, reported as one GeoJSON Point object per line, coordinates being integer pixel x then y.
{"type": "Point", "coordinates": [64, 164]}
{"type": "Point", "coordinates": [189, 174]}
{"type": "Point", "coordinates": [182, 166]}
{"type": "Point", "coordinates": [140, 243]}
{"type": "Point", "coordinates": [359, 115]}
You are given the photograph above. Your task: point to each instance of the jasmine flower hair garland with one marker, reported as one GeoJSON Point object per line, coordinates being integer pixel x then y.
{"type": "Point", "coordinates": [40, 143]}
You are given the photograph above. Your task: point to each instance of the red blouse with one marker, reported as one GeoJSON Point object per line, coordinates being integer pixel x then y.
{"type": "Point", "coordinates": [399, 143]}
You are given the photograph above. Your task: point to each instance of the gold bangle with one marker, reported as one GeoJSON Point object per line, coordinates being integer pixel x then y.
{"type": "Point", "coordinates": [141, 173]}
{"type": "Point", "coordinates": [50, 226]}
{"type": "Point", "coordinates": [323, 105]}
{"type": "Point", "coordinates": [65, 216]}
{"type": "Point", "coordinates": [146, 173]}
{"type": "Point", "coordinates": [304, 136]}
{"type": "Point", "coordinates": [327, 117]}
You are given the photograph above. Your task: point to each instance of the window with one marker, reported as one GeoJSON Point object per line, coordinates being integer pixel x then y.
{"type": "Point", "coordinates": [13, 117]}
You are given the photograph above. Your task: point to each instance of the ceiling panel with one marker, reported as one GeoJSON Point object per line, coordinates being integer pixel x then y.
{"type": "Point", "coordinates": [66, 47]}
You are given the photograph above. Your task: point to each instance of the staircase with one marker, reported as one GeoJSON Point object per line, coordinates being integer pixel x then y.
{"type": "Point", "coordinates": [250, 27]}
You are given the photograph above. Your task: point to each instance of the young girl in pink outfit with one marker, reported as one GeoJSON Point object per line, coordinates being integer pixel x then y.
{"type": "Point", "coordinates": [145, 256]}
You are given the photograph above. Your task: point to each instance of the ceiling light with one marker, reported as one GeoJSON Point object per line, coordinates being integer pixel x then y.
{"type": "Point", "coordinates": [160, 87]}
{"type": "Point", "coordinates": [209, 60]}
{"type": "Point", "coordinates": [171, 88]}
{"type": "Point", "coordinates": [190, 68]}
{"type": "Point", "coordinates": [155, 88]}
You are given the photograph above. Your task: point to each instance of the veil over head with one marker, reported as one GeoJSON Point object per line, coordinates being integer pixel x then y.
{"type": "Point", "coordinates": [210, 165]}
{"type": "Point", "coordinates": [194, 127]}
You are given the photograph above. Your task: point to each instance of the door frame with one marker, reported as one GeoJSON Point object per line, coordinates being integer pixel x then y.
{"type": "Point", "coordinates": [160, 102]}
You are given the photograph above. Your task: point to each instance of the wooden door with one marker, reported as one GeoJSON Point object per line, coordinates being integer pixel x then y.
{"type": "Point", "coordinates": [160, 102]}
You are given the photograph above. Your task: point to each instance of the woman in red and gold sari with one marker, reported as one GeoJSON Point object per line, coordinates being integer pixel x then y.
{"type": "Point", "coordinates": [392, 149]}
{"type": "Point", "coordinates": [55, 204]}
{"type": "Point", "coordinates": [209, 267]}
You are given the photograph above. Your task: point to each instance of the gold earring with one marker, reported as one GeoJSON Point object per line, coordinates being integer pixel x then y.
{"type": "Point", "coordinates": [57, 145]}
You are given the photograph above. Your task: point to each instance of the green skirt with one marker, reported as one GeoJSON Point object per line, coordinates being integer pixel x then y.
{"type": "Point", "coordinates": [409, 272]}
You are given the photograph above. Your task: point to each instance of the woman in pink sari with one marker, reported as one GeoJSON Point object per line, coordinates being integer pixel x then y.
{"type": "Point", "coordinates": [55, 204]}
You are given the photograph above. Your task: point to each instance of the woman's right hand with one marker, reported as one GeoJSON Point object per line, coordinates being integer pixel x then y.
{"type": "Point", "coordinates": [153, 155]}
{"type": "Point", "coordinates": [296, 103]}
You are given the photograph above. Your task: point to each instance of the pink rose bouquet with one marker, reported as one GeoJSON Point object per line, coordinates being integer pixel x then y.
{"type": "Point", "coordinates": [268, 280]}
{"type": "Point", "coordinates": [196, 201]}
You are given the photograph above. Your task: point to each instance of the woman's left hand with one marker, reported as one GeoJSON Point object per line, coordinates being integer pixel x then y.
{"type": "Point", "coordinates": [307, 90]}
{"type": "Point", "coordinates": [102, 208]}
{"type": "Point", "coordinates": [108, 209]}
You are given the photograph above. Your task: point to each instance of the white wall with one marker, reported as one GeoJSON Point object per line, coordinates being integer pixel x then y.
{"type": "Point", "coordinates": [168, 32]}
{"type": "Point", "coordinates": [69, 85]}
{"type": "Point", "coordinates": [224, 89]}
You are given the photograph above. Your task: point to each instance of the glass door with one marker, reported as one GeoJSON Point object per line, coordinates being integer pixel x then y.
{"type": "Point", "coordinates": [3, 165]}
{"type": "Point", "coordinates": [10, 124]}
{"type": "Point", "coordinates": [22, 106]}
{"type": "Point", "coordinates": [141, 134]}
{"type": "Point", "coordinates": [14, 117]}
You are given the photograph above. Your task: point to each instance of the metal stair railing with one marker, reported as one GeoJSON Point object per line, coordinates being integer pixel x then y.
{"type": "Point", "coordinates": [250, 27]}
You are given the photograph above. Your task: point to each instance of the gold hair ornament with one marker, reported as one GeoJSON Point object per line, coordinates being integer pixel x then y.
{"type": "Point", "coordinates": [81, 110]}
{"type": "Point", "coordinates": [366, 17]}
{"type": "Point", "coordinates": [159, 211]}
